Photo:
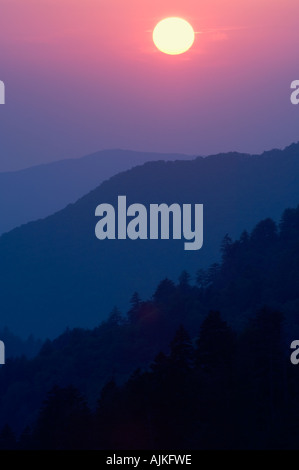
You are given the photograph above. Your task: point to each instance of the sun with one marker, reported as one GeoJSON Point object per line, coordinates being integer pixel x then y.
{"type": "Point", "coordinates": [173, 36]}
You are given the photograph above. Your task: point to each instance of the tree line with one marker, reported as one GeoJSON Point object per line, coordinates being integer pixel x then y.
{"type": "Point", "coordinates": [203, 379]}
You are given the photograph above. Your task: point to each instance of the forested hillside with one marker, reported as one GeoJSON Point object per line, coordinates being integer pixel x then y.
{"type": "Point", "coordinates": [211, 360]}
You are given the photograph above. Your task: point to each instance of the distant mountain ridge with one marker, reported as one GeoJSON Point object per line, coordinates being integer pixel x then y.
{"type": "Point", "coordinates": [54, 272]}
{"type": "Point", "coordinates": [39, 191]}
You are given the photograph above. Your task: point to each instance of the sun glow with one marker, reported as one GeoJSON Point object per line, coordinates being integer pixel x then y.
{"type": "Point", "coordinates": [173, 36]}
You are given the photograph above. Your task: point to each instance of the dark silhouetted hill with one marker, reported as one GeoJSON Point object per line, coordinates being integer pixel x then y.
{"type": "Point", "coordinates": [55, 273]}
{"type": "Point", "coordinates": [204, 378]}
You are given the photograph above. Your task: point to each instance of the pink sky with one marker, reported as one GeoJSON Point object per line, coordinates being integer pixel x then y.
{"type": "Point", "coordinates": [84, 75]}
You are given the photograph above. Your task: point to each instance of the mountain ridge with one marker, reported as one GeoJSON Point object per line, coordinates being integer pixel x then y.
{"type": "Point", "coordinates": [54, 269]}
{"type": "Point", "coordinates": [71, 178]}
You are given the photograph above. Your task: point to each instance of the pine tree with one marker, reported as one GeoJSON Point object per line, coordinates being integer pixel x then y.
{"type": "Point", "coordinates": [181, 350]}
{"type": "Point", "coordinates": [216, 343]}
{"type": "Point", "coordinates": [264, 232]}
{"type": "Point", "coordinates": [135, 306]}
{"type": "Point", "coordinates": [164, 292]}
{"type": "Point", "coordinates": [202, 279]}
{"type": "Point", "coordinates": [115, 318]}
{"type": "Point", "coordinates": [184, 280]}
{"type": "Point", "coordinates": [109, 415]}
{"type": "Point", "coordinates": [226, 247]}
{"type": "Point", "coordinates": [64, 421]}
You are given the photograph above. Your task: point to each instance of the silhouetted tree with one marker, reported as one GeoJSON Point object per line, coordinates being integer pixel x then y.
{"type": "Point", "coordinates": [262, 374]}
{"type": "Point", "coordinates": [165, 290]}
{"type": "Point", "coordinates": [226, 247]}
{"type": "Point", "coordinates": [181, 350]}
{"type": "Point", "coordinates": [63, 421]}
{"type": "Point", "coordinates": [244, 238]}
{"type": "Point", "coordinates": [115, 317]}
{"type": "Point", "coordinates": [289, 224]}
{"type": "Point", "coordinates": [202, 279]}
{"type": "Point", "coordinates": [216, 343]}
{"type": "Point", "coordinates": [134, 309]}
{"type": "Point", "coordinates": [110, 417]}
{"type": "Point", "coordinates": [264, 232]}
{"type": "Point", "coordinates": [184, 280]}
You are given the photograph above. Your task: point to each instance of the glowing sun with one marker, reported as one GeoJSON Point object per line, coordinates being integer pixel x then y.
{"type": "Point", "coordinates": [173, 36]}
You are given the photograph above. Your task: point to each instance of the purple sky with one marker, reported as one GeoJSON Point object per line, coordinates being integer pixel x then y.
{"type": "Point", "coordinates": [84, 75]}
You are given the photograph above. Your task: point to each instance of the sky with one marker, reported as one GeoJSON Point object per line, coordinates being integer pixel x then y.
{"type": "Point", "coordinates": [84, 75]}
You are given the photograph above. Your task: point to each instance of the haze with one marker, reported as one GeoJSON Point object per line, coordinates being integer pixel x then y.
{"type": "Point", "coordinates": [82, 76]}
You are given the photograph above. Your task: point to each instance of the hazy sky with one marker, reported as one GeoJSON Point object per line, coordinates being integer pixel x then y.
{"type": "Point", "coordinates": [84, 75]}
